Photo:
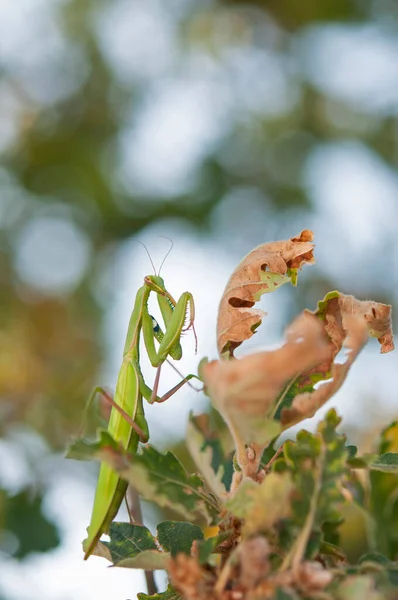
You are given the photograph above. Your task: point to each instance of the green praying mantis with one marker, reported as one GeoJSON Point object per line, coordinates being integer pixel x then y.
{"type": "Point", "coordinates": [127, 424]}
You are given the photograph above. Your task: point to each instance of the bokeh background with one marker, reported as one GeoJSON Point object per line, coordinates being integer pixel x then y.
{"type": "Point", "coordinates": [220, 125]}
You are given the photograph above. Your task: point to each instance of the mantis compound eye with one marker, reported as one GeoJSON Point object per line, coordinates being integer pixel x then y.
{"type": "Point", "coordinates": [155, 324]}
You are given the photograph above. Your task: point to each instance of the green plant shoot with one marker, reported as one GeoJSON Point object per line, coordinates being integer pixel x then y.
{"type": "Point", "coordinates": [127, 424]}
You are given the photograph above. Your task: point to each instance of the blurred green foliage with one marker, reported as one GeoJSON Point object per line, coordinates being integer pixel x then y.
{"type": "Point", "coordinates": [24, 519]}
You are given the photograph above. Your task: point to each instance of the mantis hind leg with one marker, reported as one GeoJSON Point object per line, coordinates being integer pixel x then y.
{"type": "Point", "coordinates": [155, 398]}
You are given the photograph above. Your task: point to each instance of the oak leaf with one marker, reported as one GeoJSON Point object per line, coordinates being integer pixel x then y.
{"type": "Point", "coordinates": [263, 270]}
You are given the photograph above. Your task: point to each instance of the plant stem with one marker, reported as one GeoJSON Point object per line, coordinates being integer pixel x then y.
{"type": "Point", "coordinates": [135, 514]}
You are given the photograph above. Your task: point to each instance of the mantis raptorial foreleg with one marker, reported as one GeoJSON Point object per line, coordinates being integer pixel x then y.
{"type": "Point", "coordinates": [127, 424]}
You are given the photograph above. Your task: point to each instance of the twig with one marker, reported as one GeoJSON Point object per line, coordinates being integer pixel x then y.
{"type": "Point", "coordinates": [135, 515]}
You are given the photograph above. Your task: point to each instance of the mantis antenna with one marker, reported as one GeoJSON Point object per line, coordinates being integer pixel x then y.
{"type": "Point", "coordinates": [149, 256]}
{"type": "Point", "coordinates": [168, 252]}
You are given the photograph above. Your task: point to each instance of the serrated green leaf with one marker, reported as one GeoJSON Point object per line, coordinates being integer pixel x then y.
{"type": "Point", "coordinates": [178, 536]}
{"type": "Point", "coordinates": [203, 454]}
{"type": "Point", "coordinates": [389, 438]}
{"type": "Point", "coordinates": [317, 463]}
{"type": "Point", "coordinates": [169, 594]}
{"type": "Point", "coordinates": [83, 449]}
{"type": "Point", "coordinates": [388, 463]}
{"type": "Point", "coordinates": [375, 557]}
{"type": "Point", "coordinates": [128, 540]}
{"type": "Point", "coordinates": [132, 547]}
{"type": "Point", "coordinates": [162, 479]}
{"type": "Point", "coordinates": [351, 451]}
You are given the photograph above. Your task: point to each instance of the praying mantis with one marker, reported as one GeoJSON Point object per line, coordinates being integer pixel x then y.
{"type": "Point", "coordinates": [127, 424]}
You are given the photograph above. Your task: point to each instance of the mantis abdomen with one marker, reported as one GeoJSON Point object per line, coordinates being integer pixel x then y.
{"type": "Point", "coordinates": [109, 483]}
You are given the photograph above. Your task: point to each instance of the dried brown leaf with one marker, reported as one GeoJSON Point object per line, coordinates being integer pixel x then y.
{"type": "Point", "coordinates": [192, 580]}
{"type": "Point", "coordinates": [264, 393]}
{"type": "Point", "coordinates": [377, 317]}
{"type": "Point", "coordinates": [263, 270]}
{"type": "Point", "coordinates": [253, 555]}
{"type": "Point", "coordinates": [348, 322]}
{"type": "Point", "coordinates": [311, 576]}
{"type": "Point", "coordinates": [245, 391]}
{"type": "Point", "coordinates": [334, 309]}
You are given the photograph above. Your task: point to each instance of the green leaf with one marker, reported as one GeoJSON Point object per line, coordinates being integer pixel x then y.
{"type": "Point", "coordinates": [132, 546]}
{"type": "Point", "coordinates": [24, 518]}
{"type": "Point", "coordinates": [162, 479]}
{"type": "Point", "coordinates": [317, 463]}
{"type": "Point", "coordinates": [206, 548]}
{"type": "Point", "coordinates": [328, 549]}
{"type": "Point", "coordinates": [375, 557]}
{"type": "Point", "coordinates": [128, 540]}
{"type": "Point", "coordinates": [169, 594]}
{"type": "Point", "coordinates": [388, 463]}
{"type": "Point", "coordinates": [178, 536]}
{"type": "Point", "coordinates": [351, 451]}
{"type": "Point", "coordinates": [361, 462]}
{"type": "Point", "coordinates": [204, 453]}
{"type": "Point", "coordinates": [83, 449]}
{"type": "Point", "coordinates": [384, 509]}
{"type": "Point", "coordinates": [389, 438]}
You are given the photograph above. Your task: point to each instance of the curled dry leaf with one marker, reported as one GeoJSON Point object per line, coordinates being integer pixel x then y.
{"type": "Point", "coordinates": [263, 270]}
{"type": "Point", "coordinates": [305, 405]}
{"type": "Point", "coordinates": [263, 393]}
{"type": "Point", "coordinates": [245, 391]}
{"type": "Point", "coordinates": [347, 322]}
{"type": "Point", "coordinates": [336, 307]}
